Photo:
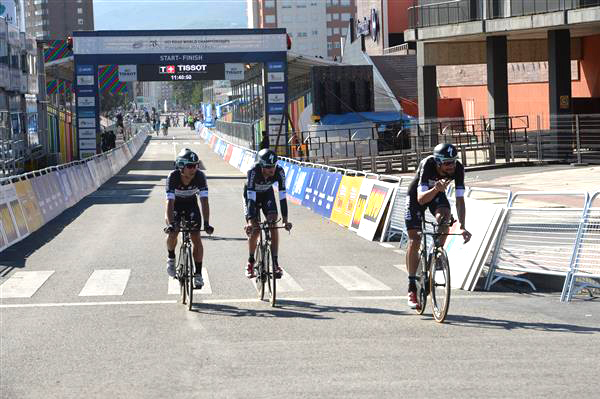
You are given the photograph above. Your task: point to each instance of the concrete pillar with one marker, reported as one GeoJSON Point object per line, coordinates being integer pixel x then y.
{"type": "Point", "coordinates": [497, 83]}
{"type": "Point", "coordinates": [427, 94]}
{"type": "Point", "coordinates": [559, 84]}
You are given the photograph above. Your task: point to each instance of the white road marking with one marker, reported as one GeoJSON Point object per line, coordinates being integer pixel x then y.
{"type": "Point", "coordinates": [106, 282]}
{"type": "Point", "coordinates": [24, 284]}
{"type": "Point", "coordinates": [287, 283]}
{"type": "Point", "coordinates": [197, 142]}
{"type": "Point", "coordinates": [206, 290]}
{"type": "Point", "coordinates": [71, 304]}
{"type": "Point", "coordinates": [399, 251]}
{"type": "Point", "coordinates": [354, 278]}
{"type": "Point", "coordinates": [386, 245]}
{"type": "Point", "coordinates": [364, 298]}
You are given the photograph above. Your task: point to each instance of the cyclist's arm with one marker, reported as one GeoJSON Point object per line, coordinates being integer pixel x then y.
{"type": "Point", "coordinates": [459, 189]}
{"type": "Point", "coordinates": [282, 195]}
{"type": "Point", "coordinates": [251, 194]}
{"type": "Point", "coordinates": [169, 211]}
{"type": "Point", "coordinates": [203, 194]}
{"type": "Point", "coordinates": [425, 194]}
{"type": "Point", "coordinates": [171, 184]}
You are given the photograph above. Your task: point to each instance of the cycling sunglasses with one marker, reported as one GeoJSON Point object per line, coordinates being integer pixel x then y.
{"type": "Point", "coordinates": [191, 165]}
{"type": "Point", "coordinates": [449, 162]}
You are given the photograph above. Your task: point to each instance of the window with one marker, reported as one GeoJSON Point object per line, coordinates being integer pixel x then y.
{"type": "Point", "coordinates": [345, 2]}
{"type": "Point", "coordinates": [80, 21]}
{"type": "Point", "coordinates": [328, 17]}
{"type": "Point", "coordinates": [315, 32]}
{"type": "Point", "coordinates": [346, 16]}
{"type": "Point", "coordinates": [336, 31]}
{"type": "Point", "coordinates": [269, 3]}
{"type": "Point", "coordinates": [329, 31]}
{"type": "Point", "coordinates": [329, 45]}
{"type": "Point", "coordinates": [80, 11]}
{"type": "Point", "coordinates": [344, 31]}
{"type": "Point", "coordinates": [337, 44]}
{"type": "Point", "coordinates": [270, 19]}
{"type": "Point", "coordinates": [336, 16]}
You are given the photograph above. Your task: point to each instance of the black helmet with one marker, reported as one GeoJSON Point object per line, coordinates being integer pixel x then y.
{"type": "Point", "coordinates": [186, 156]}
{"type": "Point", "coordinates": [266, 158]}
{"type": "Point", "coordinates": [445, 152]}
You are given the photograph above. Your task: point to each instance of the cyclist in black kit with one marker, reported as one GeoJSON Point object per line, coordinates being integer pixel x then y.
{"type": "Point", "coordinates": [259, 194]}
{"type": "Point", "coordinates": [427, 190]}
{"type": "Point", "coordinates": [184, 184]}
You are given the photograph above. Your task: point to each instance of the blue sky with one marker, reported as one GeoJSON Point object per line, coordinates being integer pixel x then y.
{"type": "Point", "coordinates": [169, 14]}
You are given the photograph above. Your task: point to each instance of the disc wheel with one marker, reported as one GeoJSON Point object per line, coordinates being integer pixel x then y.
{"type": "Point", "coordinates": [440, 286]}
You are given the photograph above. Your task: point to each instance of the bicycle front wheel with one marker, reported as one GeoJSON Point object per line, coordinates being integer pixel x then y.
{"type": "Point", "coordinates": [421, 282]}
{"type": "Point", "coordinates": [190, 277]}
{"type": "Point", "coordinates": [260, 272]}
{"type": "Point", "coordinates": [440, 285]}
{"type": "Point", "coordinates": [181, 272]}
{"type": "Point", "coordinates": [270, 276]}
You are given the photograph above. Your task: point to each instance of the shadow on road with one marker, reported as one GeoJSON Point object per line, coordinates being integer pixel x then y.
{"type": "Point", "coordinates": [482, 322]}
{"type": "Point", "coordinates": [291, 309]}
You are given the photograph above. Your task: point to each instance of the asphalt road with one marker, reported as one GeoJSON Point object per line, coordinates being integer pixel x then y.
{"type": "Point", "coordinates": [342, 328]}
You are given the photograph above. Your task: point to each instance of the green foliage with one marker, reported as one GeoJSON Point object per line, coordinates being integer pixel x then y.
{"type": "Point", "coordinates": [188, 93]}
{"type": "Point", "coordinates": [109, 101]}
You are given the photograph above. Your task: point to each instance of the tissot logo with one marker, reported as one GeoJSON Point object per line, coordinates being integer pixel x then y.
{"type": "Point", "coordinates": [166, 69]}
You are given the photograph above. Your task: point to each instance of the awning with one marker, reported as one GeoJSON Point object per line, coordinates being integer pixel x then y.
{"type": "Point", "coordinates": [358, 117]}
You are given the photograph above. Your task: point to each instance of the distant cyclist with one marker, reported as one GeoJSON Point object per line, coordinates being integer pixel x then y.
{"type": "Point", "coordinates": [184, 185]}
{"type": "Point", "coordinates": [260, 195]}
{"type": "Point", "coordinates": [427, 190]}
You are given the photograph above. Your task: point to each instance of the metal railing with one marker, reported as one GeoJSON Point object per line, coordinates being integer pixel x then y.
{"type": "Point", "coordinates": [237, 132]}
{"type": "Point", "coordinates": [457, 11]}
{"type": "Point", "coordinates": [401, 49]}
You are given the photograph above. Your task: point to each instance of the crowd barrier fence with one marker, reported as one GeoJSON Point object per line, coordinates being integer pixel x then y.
{"type": "Point", "coordinates": [513, 230]}
{"type": "Point", "coordinates": [30, 200]}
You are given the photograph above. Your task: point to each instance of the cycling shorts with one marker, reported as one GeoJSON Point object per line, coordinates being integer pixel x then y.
{"type": "Point", "coordinates": [415, 212]}
{"type": "Point", "coordinates": [191, 211]}
{"type": "Point", "coordinates": [264, 200]}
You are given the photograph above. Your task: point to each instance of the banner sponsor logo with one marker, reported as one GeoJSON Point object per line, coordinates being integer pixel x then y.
{"type": "Point", "coordinates": [87, 122]}
{"type": "Point", "coordinates": [87, 133]}
{"type": "Point", "coordinates": [86, 101]}
{"type": "Point", "coordinates": [277, 98]}
{"type": "Point", "coordinates": [85, 80]}
{"type": "Point", "coordinates": [358, 211]}
{"type": "Point", "coordinates": [276, 77]}
{"type": "Point", "coordinates": [376, 200]}
{"type": "Point", "coordinates": [127, 73]}
{"type": "Point", "coordinates": [86, 144]}
{"type": "Point", "coordinates": [275, 66]}
{"type": "Point", "coordinates": [275, 119]}
{"type": "Point", "coordinates": [85, 70]}
{"type": "Point", "coordinates": [234, 71]}
{"type": "Point", "coordinates": [276, 108]}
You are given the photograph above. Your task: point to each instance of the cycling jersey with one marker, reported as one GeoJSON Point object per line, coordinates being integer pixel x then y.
{"type": "Point", "coordinates": [182, 193]}
{"type": "Point", "coordinates": [256, 189]}
{"type": "Point", "coordinates": [425, 179]}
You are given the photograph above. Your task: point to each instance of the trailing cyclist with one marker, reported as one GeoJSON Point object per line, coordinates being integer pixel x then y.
{"type": "Point", "coordinates": [259, 194]}
{"type": "Point", "coordinates": [427, 190]}
{"type": "Point", "coordinates": [184, 185]}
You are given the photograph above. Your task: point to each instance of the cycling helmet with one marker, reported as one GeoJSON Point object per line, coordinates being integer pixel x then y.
{"type": "Point", "coordinates": [186, 156]}
{"type": "Point", "coordinates": [266, 158]}
{"type": "Point", "coordinates": [445, 152]}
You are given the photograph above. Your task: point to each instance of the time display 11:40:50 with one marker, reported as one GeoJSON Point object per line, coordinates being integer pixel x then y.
{"type": "Point", "coordinates": [181, 77]}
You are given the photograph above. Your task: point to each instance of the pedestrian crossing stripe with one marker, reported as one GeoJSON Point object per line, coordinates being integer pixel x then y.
{"type": "Point", "coordinates": [25, 284]}
{"type": "Point", "coordinates": [354, 278]}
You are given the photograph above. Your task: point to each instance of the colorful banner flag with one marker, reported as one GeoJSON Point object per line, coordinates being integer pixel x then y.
{"type": "Point", "coordinates": [51, 86]}
{"type": "Point", "coordinates": [61, 86]}
{"type": "Point", "coordinates": [108, 78]}
{"type": "Point", "coordinates": [56, 50]}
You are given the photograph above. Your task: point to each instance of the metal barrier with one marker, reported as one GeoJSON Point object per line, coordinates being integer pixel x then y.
{"type": "Point", "coordinates": [585, 262]}
{"type": "Point", "coordinates": [498, 196]}
{"type": "Point", "coordinates": [535, 239]}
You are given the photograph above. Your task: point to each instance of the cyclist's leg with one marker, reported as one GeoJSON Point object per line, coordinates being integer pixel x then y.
{"type": "Point", "coordinates": [270, 211]}
{"type": "Point", "coordinates": [412, 219]}
{"type": "Point", "coordinates": [440, 208]}
{"type": "Point", "coordinates": [172, 244]}
{"type": "Point", "coordinates": [198, 250]}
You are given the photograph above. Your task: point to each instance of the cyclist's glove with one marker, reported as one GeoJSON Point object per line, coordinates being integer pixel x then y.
{"type": "Point", "coordinates": [208, 228]}
{"type": "Point", "coordinates": [170, 228]}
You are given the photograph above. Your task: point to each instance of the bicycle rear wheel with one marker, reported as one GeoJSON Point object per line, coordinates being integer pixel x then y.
{"type": "Point", "coordinates": [259, 269]}
{"type": "Point", "coordinates": [421, 284]}
{"type": "Point", "coordinates": [190, 277]}
{"type": "Point", "coordinates": [440, 285]}
{"type": "Point", "coordinates": [270, 276]}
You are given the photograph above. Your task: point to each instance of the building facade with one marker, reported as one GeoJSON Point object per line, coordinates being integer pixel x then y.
{"type": "Point", "coordinates": [315, 26]}
{"type": "Point", "coordinates": [57, 19]}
